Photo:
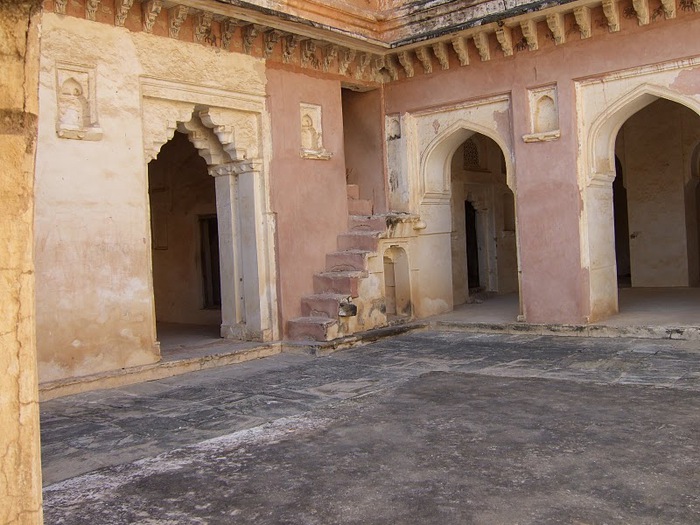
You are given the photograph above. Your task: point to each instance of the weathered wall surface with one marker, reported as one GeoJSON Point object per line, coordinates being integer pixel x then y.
{"type": "Point", "coordinates": [20, 471]}
{"type": "Point", "coordinates": [93, 253]}
{"type": "Point", "coordinates": [554, 281]}
{"type": "Point", "coordinates": [308, 196]}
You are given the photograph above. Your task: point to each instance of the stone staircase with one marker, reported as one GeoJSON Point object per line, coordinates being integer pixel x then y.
{"type": "Point", "coordinates": [346, 281]}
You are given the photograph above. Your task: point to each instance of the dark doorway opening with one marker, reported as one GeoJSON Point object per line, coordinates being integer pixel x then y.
{"type": "Point", "coordinates": [209, 231]}
{"type": "Point", "coordinates": [472, 246]}
{"type": "Point", "coordinates": [622, 233]}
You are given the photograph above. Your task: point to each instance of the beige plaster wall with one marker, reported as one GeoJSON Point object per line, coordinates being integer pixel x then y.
{"type": "Point", "coordinates": [95, 307]}
{"type": "Point", "coordinates": [657, 142]}
{"type": "Point", "coordinates": [363, 132]}
{"type": "Point", "coordinates": [309, 197]}
{"type": "Point", "coordinates": [181, 191]}
{"type": "Point", "coordinates": [20, 470]}
{"type": "Point", "coordinates": [554, 281]}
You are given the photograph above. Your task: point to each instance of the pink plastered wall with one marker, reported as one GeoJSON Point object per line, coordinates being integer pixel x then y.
{"type": "Point", "coordinates": [554, 285]}
{"type": "Point", "coordinates": [309, 197]}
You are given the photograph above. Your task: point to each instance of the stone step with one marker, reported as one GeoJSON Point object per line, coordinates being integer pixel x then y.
{"type": "Point", "coordinates": [353, 191]}
{"type": "Point", "coordinates": [347, 260]}
{"type": "Point", "coordinates": [359, 240]}
{"type": "Point", "coordinates": [366, 223]}
{"type": "Point", "coordinates": [343, 283]}
{"type": "Point", "coordinates": [322, 305]}
{"type": "Point", "coordinates": [359, 207]}
{"type": "Point", "coordinates": [314, 328]}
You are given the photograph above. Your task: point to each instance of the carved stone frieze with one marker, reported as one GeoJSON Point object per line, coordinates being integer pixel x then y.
{"type": "Point", "coordinates": [481, 41]}
{"type": "Point", "coordinates": [612, 14]}
{"type": "Point", "coordinates": [555, 22]}
{"type": "Point", "coordinates": [176, 17]}
{"type": "Point", "coordinates": [440, 51]}
{"type": "Point", "coordinates": [270, 39]}
{"type": "Point", "coordinates": [91, 7]}
{"type": "Point", "coordinates": [505, 38]}
{"type": "Point", "coordinates": [121, 10]}
{"type": "Point", "coordinates": [459, 44]}
{"type": "Point", "coordinates": [424, 58]}
{"type": "Point", "coordinates": [151, 10]}
{"type": "Point", "coordinates": [583, 20]}
{"type": "Point", "coordinates": [406, 61]}
{"type": "Point", "coordinates": [345, 59]}
{"type": "Point", "coordinates": [202, 26]}
{"type": "Point", "coordinates": [529, 29]}
{"type": "Point", "coordinates": [289, 46]}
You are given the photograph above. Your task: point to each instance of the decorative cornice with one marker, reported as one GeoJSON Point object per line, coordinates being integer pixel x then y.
{"type": "Point", "coordinates": [406, 62]}
{"type": "Point", "coordinates": [121, 10]}
{"type": "Point", "coordinates": [529, 29]}
{"type": "Point", "coordinates": [151, 10]}
{"type": "Point", "coordinates": [424, 58]}
{"type": "Point", "coordinates": [91, 7]}
{"type": "Point", "coordinates": [583, 20]}
{"type": "Point", "coordinates": [481, 41]}
{"type": "Point", "coordinates": [504, 37]}
{"type": "Point", "coordinates": [459, 44]}
{"type": "Point", "coordinates": [440, 51]}
{"type": "Point", "coordinates": [176, 17]}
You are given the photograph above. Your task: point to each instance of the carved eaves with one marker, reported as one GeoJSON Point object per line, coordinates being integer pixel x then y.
{"type": "Point", "coordinates": [459, 44]}
{"type": "Point", "coordinates": [91, 7]}
{"type": "Point", "coordinates": [505, 38]}
{"type": "Point", "coordinates": [481, 41]}
{"type": "Point", "coordinates": [612, 14]}
{"type": "Point", "coordinates": [529, 29]}
{"type": "Point", "coordinates": [345, 59]}
{"type": "Point", "coordinates": [555, 22]}
{"type": "Point", "coordinates": [424, 58]}
{"type": "Point", "coordinates": [440, 51]}
{"type": "Point", "coordinates": [378, 64]}
{"type": "Point", "coordinates": [249, 33]}
{"type": "Point", "coordinates": [330, 53]}
{"type": "Point", "coordinates": [151, 10]}
{"type": "Point", "coordinates": [308, 54]}
{"type": "Point", "coordinates": [641, 7]}
{"type": "Point", "coordinates": [121, 10]}
{"type": "Point", "coordinates": [270, 39]}
{"type": "Point", "coordinates": [289, 46]}
{"type": "Point", "coordinates": [176, 17]}
{"type": "Point", "coordinates": [669, 7]}
{"type": "Point", "coordinates": [391, 67]}
{"type": "Point", "coordinates": [583, 20]}
{"type": "Point", "coordinates": [406, 61]}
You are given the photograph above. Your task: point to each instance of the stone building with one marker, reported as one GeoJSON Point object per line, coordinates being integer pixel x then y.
{"type": "Point", "coordinates": [263, 169]}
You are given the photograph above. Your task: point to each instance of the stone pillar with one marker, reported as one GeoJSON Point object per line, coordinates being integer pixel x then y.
{"type": "Point", "coordinates": [20, 469]}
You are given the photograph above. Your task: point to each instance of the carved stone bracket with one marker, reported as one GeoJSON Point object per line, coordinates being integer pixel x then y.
{"type": "Point", "coordinates": [121, 10]}
{"type": "Point", "coordinates": [91, 7]}
{"type": "Point", "coordinates": [235, 168]}
{"type": "Point", "coordinates": [440, 51]}
{"type": "Point", "coordinates": [289, 45]}
{"type": "Point", "coordinates": [612, 14]}
{"type": "Point", "coordinates": [308, 54]}
{"type": "Point", "coordinates": [377, 64]}
{"type": "Point", "coordinates": [202, 26]}
{"type": "Point", "coordinates": [330, 53]}
{"type": "Point", "coordinates": [391, 67]}
{"type": "Point", "coordinates": [481, 41]}
{"type": "Point", "coordinates": [151, 10]}
{"type": "Point", "coordinates": [228, 28]}
{"type": "Point", "coordinates": [505, 38]}
{"type": "Point", "coordinates": [250, 33]}
{"type": "Point", "coordinates": [362, 62]}
{"type": "Point", "coordinates": [346, 58]}
{"type": "Point", "coordinates": [641, 7]}
{"type": "Point", "coordinates": [59, 6]}
{"type": "Point", "coordinates": [270, 39]}
{"type": "Point", "coordinates": [669, 7]}
{"type": "Point", "coordinates": [583, 20]}
{"type": "Point", "coordinates": [424, 58]}
{"type": "Point", "coordinates": [459, 44]}
{"type": "Point", "coordinates": [406, 62]}
{"type": "Point", "coordinates": [555, 22]}
{"type": "Point", "coordinates": [529, 29]}
{"type": "Point", "coordinates": [176, 17]}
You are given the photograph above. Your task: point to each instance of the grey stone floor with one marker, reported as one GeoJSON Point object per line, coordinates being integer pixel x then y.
{"type": "Point", "coordinates": [427, 427]}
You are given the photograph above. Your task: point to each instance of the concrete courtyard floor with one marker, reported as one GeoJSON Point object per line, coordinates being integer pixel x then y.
{"type": "Point", "coordinates": [430, 427]}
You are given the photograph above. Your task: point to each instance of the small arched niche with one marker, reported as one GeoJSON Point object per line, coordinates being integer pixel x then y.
{"type": "Point", "coordinates": [397, 288]}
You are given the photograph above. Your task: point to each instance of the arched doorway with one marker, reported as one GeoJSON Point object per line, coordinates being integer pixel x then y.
{"type": "Point", "coordinates": [484, 251]}
{"type": "Point", "coordinates": [185, 244]}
